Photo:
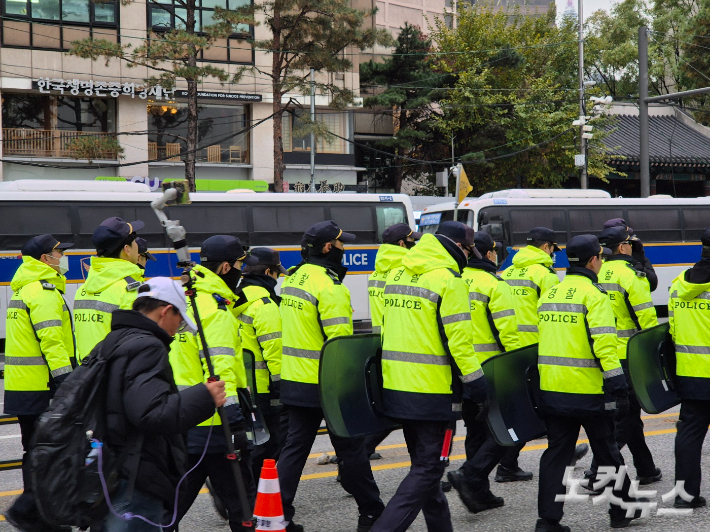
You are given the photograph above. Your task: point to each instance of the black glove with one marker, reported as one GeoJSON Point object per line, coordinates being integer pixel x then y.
{"type": "Point", "coordinates": [59, 379]}
{"type": "Point", "coordinates": [622, 406]}
{"type": "Point", "coordinates": [235, 417]}
{"type": "Point", "coordinates": [483, 408]}
{"type": "Point", "coordinates": [239, 436]}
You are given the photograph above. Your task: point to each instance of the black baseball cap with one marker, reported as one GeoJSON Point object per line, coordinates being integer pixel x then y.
{"type": "Point", "coordinates": [112, 233]}
{"type": "Point", "coordinates": [143, 249]}
{"type": "Point", "coordinates": [459, 233]}
{"type": "Point", "coordinates": [484, 242]}
{"type": "Point", "coordinates": [618, 222]}
{"type": "Point", "coordinates": [225, 248]}
{"type": "Point", "coordinates": [395, 233]}
{"type": "Point", "coordinates": [613, 236]}
{"type": "Point", "coordinates": [323, 232]}
{"type": "Point", "coordinates": [581, 248]}
{"type": "Point", "coordinates": [43, 244]}
{"type": "Point", "coordinates": [705, 238]}
{"type": "Point", "coordinates": [268, 257]}
{"type": "Point", "coordinates": [543, 234]}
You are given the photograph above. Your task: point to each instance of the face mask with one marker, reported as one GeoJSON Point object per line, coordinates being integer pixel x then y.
{"type": "Point", "coordinates": [335, 256]}
{"type": "Point", "coordinates": [231, 278]}
{"type": "Point", "coordinates": [63, 263]}
{"type": "Point", "coordinates": [409, 244]}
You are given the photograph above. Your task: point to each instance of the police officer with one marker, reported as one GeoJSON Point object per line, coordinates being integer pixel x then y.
{"type": "Point", "coordinates": [143, 256]}
{"type": "Point", "coordinates": [257, 311]}
{"type": "Point", "coordinates": [112, 282]}
{"type": "Point", "coordinates": [494, 331]}
{"type": "Point", "coordinates": [630, 296]}
{"type": "Point", "coordinates": [39, 352]}
{"type": "Point", "coordinates": [690, 327]}
{"type": "Point", "coordinates": [315, 307]}
{"type": "Point", "coordinates": [578, 362]}
{"type": "Point", "coordinates": [426, 345]}
{"type": "Point", "coordinates": [215, 280]}
{"type": "Point", "coordinates": [638, 254]}
{"type": "Point", "coordinates": [396, 241]}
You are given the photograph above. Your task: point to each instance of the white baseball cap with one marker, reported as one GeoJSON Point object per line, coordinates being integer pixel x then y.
{"type": "Point", "coordinates": [172, 292]}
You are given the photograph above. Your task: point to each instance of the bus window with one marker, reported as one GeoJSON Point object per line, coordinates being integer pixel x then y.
{"type": "Point", "coordinates": [388, 215]}
{"type": "Point", "coordinates": [21, 221]}
{"type": "Point", "coordinates": [284, 223]}
{"type": "Point", "coordinates": [522, 220]}
{"type": "Point", "coordinates": [203, 220]}
{"type": "Point", "coordinates": [357, 219]}
{"type": "Point", "coordinates": [654, 224]}
{"type": "Point", "coordinates": [585, 220]}
{"type": "Point", "coordinates": [695, 221]}
{"type": "Point", "coordinates": [432, 220]}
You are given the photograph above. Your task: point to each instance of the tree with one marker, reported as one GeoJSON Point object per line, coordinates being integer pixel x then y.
{"type": "Point", "coordinates": [404, 87]}
{"type": "Point", "coordinates": [173, 54]}
{"type": "Point", "coordinates": [305, 34]}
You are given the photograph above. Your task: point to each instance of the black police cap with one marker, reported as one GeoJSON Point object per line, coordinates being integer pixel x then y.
{"type": "Point", "coordinates": [397, 232]}
{"type": "Point", "coordinates": [143, 249]}
{"type": "Point", "coordinates": [113, 232]}
{"type": "Point", "coordinates": [324, 232]}
{"type": "Point", "coordinates": [42, 245]}
{"type": "Point", "coordinates": [581, 248]}
{"type": "Point", "coordinates": [268, 257]}
{"type": "Point", "coordinates": [705, 237]}
{"type": "Point", "coordinates": [225, 248]}
{"type": "Point", "coordinates": [459, 233]}
{"type": "Point", "coordinates": [618, 222]}
{"type": "Point", "coordinates": [484, 242]}
{"type": "Point", "coordinates": [543, 234]}
{"type": "Point", "coordinates": [613, 236]}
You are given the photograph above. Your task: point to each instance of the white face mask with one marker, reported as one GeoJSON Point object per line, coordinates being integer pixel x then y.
{"type": "Point", "coordinates": [63, 263]}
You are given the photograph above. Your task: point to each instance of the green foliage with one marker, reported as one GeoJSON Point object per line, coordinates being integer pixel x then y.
{"type": "Point", "coordinates": [93, 147]}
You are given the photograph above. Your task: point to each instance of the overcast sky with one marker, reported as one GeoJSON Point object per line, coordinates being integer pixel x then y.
{"type": "Point", "coordinates": [589, 6]}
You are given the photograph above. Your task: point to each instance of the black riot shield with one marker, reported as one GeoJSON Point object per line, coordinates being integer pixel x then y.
{"type": "Point", "coordinates": [350, 384]}
{"type": "Point", "coordinates": [513, 383]}
{"type": "Point", "coordinates": [260, 431]}
{"type": "Point", "coordinates": [651, 358]}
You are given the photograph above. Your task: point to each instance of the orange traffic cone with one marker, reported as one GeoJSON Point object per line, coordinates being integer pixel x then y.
{"type": "Point", "coordinates": [269, 512]}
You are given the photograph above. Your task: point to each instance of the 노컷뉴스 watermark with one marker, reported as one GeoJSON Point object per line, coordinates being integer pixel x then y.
{"type": "Point", "coordinates": [610, 480]}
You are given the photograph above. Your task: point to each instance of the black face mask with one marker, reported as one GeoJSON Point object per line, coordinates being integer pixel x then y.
{"type": "Point", "coordinates": [140, 266]}
{"type": "Point", "coordinates": [231, 278]}
{"type": "Point", "coordinates": [335, 256]}
{"type": "Point", "coordinates": [409, 244]}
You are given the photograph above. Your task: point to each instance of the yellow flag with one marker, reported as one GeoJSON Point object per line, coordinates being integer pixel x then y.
{"type": "Point", "coordinates": [464, 185]}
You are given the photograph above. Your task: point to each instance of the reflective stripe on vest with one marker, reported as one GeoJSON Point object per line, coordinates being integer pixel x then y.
{"type": "Point", "coordinates": [301, 294]}
{"type": "Point", "coordinates": [570, 362]}
{"type": "Point", "coordinates": [417, 358]}
{"type": "Point", "coordinates": [414, 291]}
{"type": "Point", "coordinates": [301, 353]}
{"type": "Point", "coordinates": [88, 304]}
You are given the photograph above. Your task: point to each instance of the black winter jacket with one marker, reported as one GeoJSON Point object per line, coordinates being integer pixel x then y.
{"type": "Point", "coordinates": [142, 397]}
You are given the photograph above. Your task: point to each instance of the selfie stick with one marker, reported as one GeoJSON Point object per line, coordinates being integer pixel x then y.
{"type": "Point", "coordinates": [177, 234]}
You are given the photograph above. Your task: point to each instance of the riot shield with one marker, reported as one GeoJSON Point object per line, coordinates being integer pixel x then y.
{"type": "Point", "coordinates": [651, 358]}
{"type": "Point", "coordinates": [513, 383]}
{"type": "Point", "coordinates": [260, 431]}
{"type": "Point", "coordinates": [350, 385]}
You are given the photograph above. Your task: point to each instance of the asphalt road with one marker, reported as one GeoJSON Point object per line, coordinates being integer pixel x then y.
{"type": "Point", "coordinates": [322, 505]}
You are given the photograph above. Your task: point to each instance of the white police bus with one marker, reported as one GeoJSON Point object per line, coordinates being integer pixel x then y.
{"type": "Point", "coordinates": [669, 227]}
{"type": "Point", "coordinates": [71, 210]}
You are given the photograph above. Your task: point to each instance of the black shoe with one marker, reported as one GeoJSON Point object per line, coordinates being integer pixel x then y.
{"type": "Point", "coordinates": [473, 503]}
{"type": "Point", "coordinates": [657, 475]}
{"type": "Point", "coordinates": [19, 521]}
{"type": "Point", "coordinates": [365, 522]}
{"type": "Point", "coordinates": [620, 522]}
{"type": "Point", "coordinates": [293, 527]}
{"type": "Point", "coordinates": [579, 452]}
{"type": "Point", "coordinates": [216, 501]}
{"type": "Point", "coordinates": [544, 525]}
{"type": "Point", "coordinates": [591, 477]}
{"type": "Point", "coordinates": [503, 474]}
{"type": "Point", "coordinates": [375, 456]}
{"type": "Point", "coordinates": [697, 502]}
{"type": "Point", "coordinates": [445, 486]}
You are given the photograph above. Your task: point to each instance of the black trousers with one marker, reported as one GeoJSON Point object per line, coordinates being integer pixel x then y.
{"type": "Point", "coordinates": [692, 428]}
{"type": "Point", "coordinates": [562, 434]}
{"type": "Point", "coordinates": [629, 431]}
{"type": "Point", "coordinates": [219, 470]}
{"type": "Point", "coordinates": [420, 491]}
{"type": "Point", "coordinates": [371, 442]}
{"type": "Point", "coordinates": [356, 475]}
{"type": "Point", "coordinates": [276, 419]}
{"type": "Point", "coordinates": [25, 504]}
{"type": "Point", "coordinates": [482, 452]}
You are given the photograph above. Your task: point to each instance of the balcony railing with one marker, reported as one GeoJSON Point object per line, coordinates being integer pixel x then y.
{"type": "Point", "coordinates": [52, 143]}
{"type": "Point", "coordinates": [170, 151]}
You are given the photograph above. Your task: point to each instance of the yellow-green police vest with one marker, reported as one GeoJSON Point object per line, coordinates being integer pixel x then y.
{"type": "Point", "coordinates": [388, 257]}
{"type": "Point", "coordinates": [577, 351]}
{"type": "Point", "coordinates": [315, 307]}
{"type": "Point", "coordinates": [630, 296]}
{"type": "Point", "coordinates": [112, 284]}
{"type": "Point", "coordinates": [492, 313]}
{"type": "Point", "coordinates": [530, 275]}
{"type": "Point", "coordinates": [689, 317]}
{"type": "Point", "coordinates": [260, 331]}
{"type": "Point", "coordinates": [39, 340]}
{"type": "Point", "coordinates": [187, 357]}
{"type": "Point", "coordinates": [427, 323]}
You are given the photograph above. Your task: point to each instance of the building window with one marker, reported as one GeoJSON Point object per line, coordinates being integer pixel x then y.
{"type": "Point", "coordinates": [221, 133]}
{"type": "Point", "coordinates": [168, 14]}
{"type": "Point", "coordinates": [295, 140]}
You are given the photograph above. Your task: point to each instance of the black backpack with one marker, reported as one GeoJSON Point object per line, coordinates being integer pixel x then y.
{"type": "Point", "coordinates": [63, 465]}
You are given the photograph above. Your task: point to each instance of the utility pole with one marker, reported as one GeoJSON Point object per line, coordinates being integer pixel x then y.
{"type": "Point", "coordinates": [582, 111]}
{"type": "Point", "coordinates": [313, 135]}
